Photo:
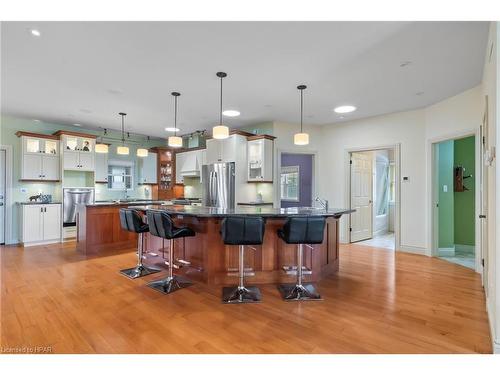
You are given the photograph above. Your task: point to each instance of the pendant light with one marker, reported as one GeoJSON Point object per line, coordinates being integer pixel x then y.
{"type": "Point", "coordinates": [301, 139]}
{"type": "Point", "coordinates": [220, 131]}
{"type": "Point", "coordinates": [101, 147]}
{"type": "Point", "coordinates": [142, 152]}
{"type": "Point", "coordinates": [122, 150]}
{"type": "Point", "coordinates": [175, 141]}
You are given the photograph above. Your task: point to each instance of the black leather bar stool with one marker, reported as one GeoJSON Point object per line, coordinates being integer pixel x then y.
{"type": "Point", "coordinates": [162, 225]}
{"type": "Point", "coordinates": [240, 230]}
{"type": "Point", "coordinates": [301, 230]}
{"type": "Point", "coordinates": [131, 220]}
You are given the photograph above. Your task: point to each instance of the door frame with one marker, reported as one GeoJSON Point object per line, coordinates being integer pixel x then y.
{"type": "Point", "coordinates": [8, 193]}
{"type": "Point", "coordinates": [277, 174]}
{"type": "Point", "coordinates": [396, 147]}
{"type": "Point", "coordinates": [433, 229]}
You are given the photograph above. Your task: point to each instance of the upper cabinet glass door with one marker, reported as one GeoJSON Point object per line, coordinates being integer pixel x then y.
{"type": "Point", "coordinates": [70, 143]}
{"type": "Point", "coordinates": [32, 145]}
{"type": "Point", "coordinates": [85, 145]}
{"type": "Point", "coordinates": [51, 147]}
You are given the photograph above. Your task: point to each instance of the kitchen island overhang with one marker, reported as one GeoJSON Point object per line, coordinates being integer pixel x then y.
{"type": "Point", "coordinates": [212, 262]}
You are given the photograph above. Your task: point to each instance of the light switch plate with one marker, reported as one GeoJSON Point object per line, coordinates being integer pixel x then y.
{"type": "Point", "coordinates": [445, 188]}
{"type": "Point", "coordinates": [24, 190]}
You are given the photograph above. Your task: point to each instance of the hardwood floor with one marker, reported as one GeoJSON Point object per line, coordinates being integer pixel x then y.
{"type": "Point", "coordinates": [379, 302]}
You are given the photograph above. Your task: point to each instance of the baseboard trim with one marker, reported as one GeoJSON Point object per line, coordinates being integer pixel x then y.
{"type": "Point", "coordinates": [446, 251]}
{"type": "Point", "coordinates": [465, 248]}
{"type": "Point", "coordinates": [495, 345]}
{"type": "Point", "coordinates": [413, 249]}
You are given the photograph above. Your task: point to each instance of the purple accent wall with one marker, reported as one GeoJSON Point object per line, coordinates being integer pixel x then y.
{"type": "Point", "coordinates": [305, 163]}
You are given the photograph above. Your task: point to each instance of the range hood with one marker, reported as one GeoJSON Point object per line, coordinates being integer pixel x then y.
{"type": "Point", "coordinates": [191, 166]}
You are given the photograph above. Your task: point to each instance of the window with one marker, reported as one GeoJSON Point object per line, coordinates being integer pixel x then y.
{"type": "Point", "coordinates": [290, 183]}
{"type": "Point", "coordinates": [120, 175]}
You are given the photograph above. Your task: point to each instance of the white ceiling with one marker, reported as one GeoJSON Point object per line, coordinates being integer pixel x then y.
{"type": "Point", "coordinates": [87, 72]}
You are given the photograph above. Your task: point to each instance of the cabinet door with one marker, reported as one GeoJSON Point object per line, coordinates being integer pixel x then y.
{"type": "Point", "coordinates": [71, 160]}
{"type": "Point", "coordinates": [213, 151]}
{"type": "Point", "coordinates": [228, 149]}
{"type": "Point", "coordinates": [32, 145]}
{"type": "Point", "coordinates": [179, 163]}
{"type": "Point", "coordinates": [32, 223]}
{"type": "Point", "coordinates": [86, 161]}
{"type": "Point", "coordinates": [86, 145]}
{"type": "Point", "coordinates": [32, 167]}
{"type": "Point", "coordinates": [50, 167]}
{"type": "Point", "coordinates": [101, 167]}
{"type": "Point", "coordinates": [148, 169]}
{"type": "Point", "coordinates": [51, 222]}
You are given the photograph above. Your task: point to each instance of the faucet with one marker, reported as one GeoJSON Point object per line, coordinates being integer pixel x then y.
{"type": "Point", "coordinates": [322, 202]}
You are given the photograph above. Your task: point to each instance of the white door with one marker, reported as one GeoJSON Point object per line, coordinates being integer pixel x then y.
{"type": "Point", "coordinates": [51, 221]}
{"type": "Point", "coordinates": [70, 160]}
{"type": "Point", "coordinates": [3, 166]}
{"type": "Point", "coordinates": [50, 167]}
{"type": "Point", "coordinates": [86, 161]}
{"type": "Point", "coordinates": [32, 223]}
{"type": "Point", "coordinates": [483, 200]}
{"type": "Point", "coordinates": [361, 196]}
{"type": "Point", "coordinates": [101, 167]}
{"type": "Point", "coordinates": [32, 166]}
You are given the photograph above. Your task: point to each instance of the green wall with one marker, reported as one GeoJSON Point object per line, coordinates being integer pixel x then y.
{"type": "Point", "coordinates": [22, 190]}
{"type": "Point", "coordinates": [464, 154]}
{"type": "Point", "coordinates": [446, 201]}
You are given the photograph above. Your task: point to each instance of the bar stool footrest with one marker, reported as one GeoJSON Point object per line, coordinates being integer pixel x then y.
{"type": "Point", "coordinates": [292, 270]}
{"type": "Point", "coordinates": [139, 271]}
{"type": "Point", "coordinates": [304, 292]}
{"type": "Point", "coordinates": [248, 294]}
{"type": "Point", "coordinates": [170, 284]}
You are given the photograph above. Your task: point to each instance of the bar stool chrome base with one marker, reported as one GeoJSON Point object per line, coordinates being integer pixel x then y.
{"type": "Point", "coordinates": [170, 284]}
{"type": "Point", "coordinates": [247, 294]}
{"type": "Point", "coordinates": [292, 292]}
{"type": "Point", "coordinates": [139, 271]}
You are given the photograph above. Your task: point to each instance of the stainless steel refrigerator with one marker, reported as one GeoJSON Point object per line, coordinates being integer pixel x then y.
{"type": "Point", "coordinates": [218, 185]}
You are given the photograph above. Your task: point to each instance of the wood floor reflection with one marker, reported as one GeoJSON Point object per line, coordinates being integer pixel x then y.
{"type": "Point", "coordinates": [379, 302]}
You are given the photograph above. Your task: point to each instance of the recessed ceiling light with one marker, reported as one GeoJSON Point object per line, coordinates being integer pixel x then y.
{"type": "Point", "coordinates": [171, 129]}
{"type": "Point", "coordinates": [35, 32]}
{"type": "Point", "coordinates": [345, 109]}
{"type": "Point", "coordinates": [231, 113]}
{"type": "Point", "coordinates": [77, 124]}
{"type": "Point", "coordinates": [36, 120]}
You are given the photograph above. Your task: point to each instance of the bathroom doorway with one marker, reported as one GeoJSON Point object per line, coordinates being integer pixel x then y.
{"type": "Point", "coordinates": [373, 196]}
{"type": "Point", "coordinates": [455, 200]}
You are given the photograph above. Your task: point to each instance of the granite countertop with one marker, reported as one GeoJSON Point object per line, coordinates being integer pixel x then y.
{"type": "Point", "coordinates": [122, 203]}
{"type": "Point", "coordinates": [33, 202]}
{"type": "Point", "coordinates": [265, 211]}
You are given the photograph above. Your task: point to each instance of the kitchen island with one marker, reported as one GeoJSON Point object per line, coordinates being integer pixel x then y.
{"type": "Point", "coordinates": [212, 261]}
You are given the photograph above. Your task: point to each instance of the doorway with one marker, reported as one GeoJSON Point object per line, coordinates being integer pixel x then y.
{"type": "Point", "coordinates": [296, 180]}
{"type": "Point", "coordinates": [3, 184]}
{"type": "Point", "coordinates": [373, 196]}
{"type": "Point", "coordinates": [455, 199]}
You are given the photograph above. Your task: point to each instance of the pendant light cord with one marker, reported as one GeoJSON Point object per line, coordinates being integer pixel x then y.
{"type": "Point", "coordinates": [220, 114]}
{"type": "Point", "coordinates": [301, 108]}
{"type": "Point", "coordinates": [123, 128]}
{"type": "Point", "coordinates": [175, 115]}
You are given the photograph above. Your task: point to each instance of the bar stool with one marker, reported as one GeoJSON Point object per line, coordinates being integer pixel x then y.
{"type": "Point", "coordinates": [301, 230]}
{"type": "Point", "coordinates": [131, 221]}
{"type": "Point", "coordinates": [238, 230]}
{"type": "Point", "coordinates": [162, 225]}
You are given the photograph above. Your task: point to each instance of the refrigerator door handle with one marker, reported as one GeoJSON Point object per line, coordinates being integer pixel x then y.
{"type": "Point", "coordinates": [216, 191]}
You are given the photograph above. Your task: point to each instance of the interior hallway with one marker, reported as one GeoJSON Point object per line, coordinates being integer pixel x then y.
{"type": "Point", "coordinates": [379, 302]}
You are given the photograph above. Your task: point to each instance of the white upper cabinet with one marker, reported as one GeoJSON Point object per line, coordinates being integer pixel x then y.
{"type": "Point", "coordinates": [39, 159]}
{"type": "Point", "coordinates": [179, 162]}
{"type": "Point", "coordinates": [224, 150]}
{"type": "Point", "coordinates": [148, 168]}
{"type": "Point", "coordinates": [260, 160]}
{"type": "Point", "coordinates": [101, 167]}
{"type": "Point", "coordinates": [189, 164]}
{"type": "Point", "coordinates": [78, 153]}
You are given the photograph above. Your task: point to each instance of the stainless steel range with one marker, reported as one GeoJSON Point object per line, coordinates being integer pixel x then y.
{"type": "Point", "coordinates": [72, 196]}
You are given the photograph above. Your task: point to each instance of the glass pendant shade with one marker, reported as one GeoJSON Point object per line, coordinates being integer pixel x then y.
{"type": "Point", "coordinates": [220, 132]}
{"type": "Point", "coordinates": [301, 139]}
{"type": "Point", "coordinates": [175, 141]}
{"type": "Point", "coordinates": [122, 150]}
{"type": "Point", "coordinates": [142, 152]}
{"type": "Point", "coordinates": [101, 148]}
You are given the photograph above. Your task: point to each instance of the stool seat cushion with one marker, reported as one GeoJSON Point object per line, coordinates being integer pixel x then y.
{"type": "Point", "coordinates": [303, 230]}
{"type": "Point", "coordinates": [131, 220]}
{"type": "Point", "coordinates": [240, 230]}
{"type": "Point", "coordinates": [162, 225]}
